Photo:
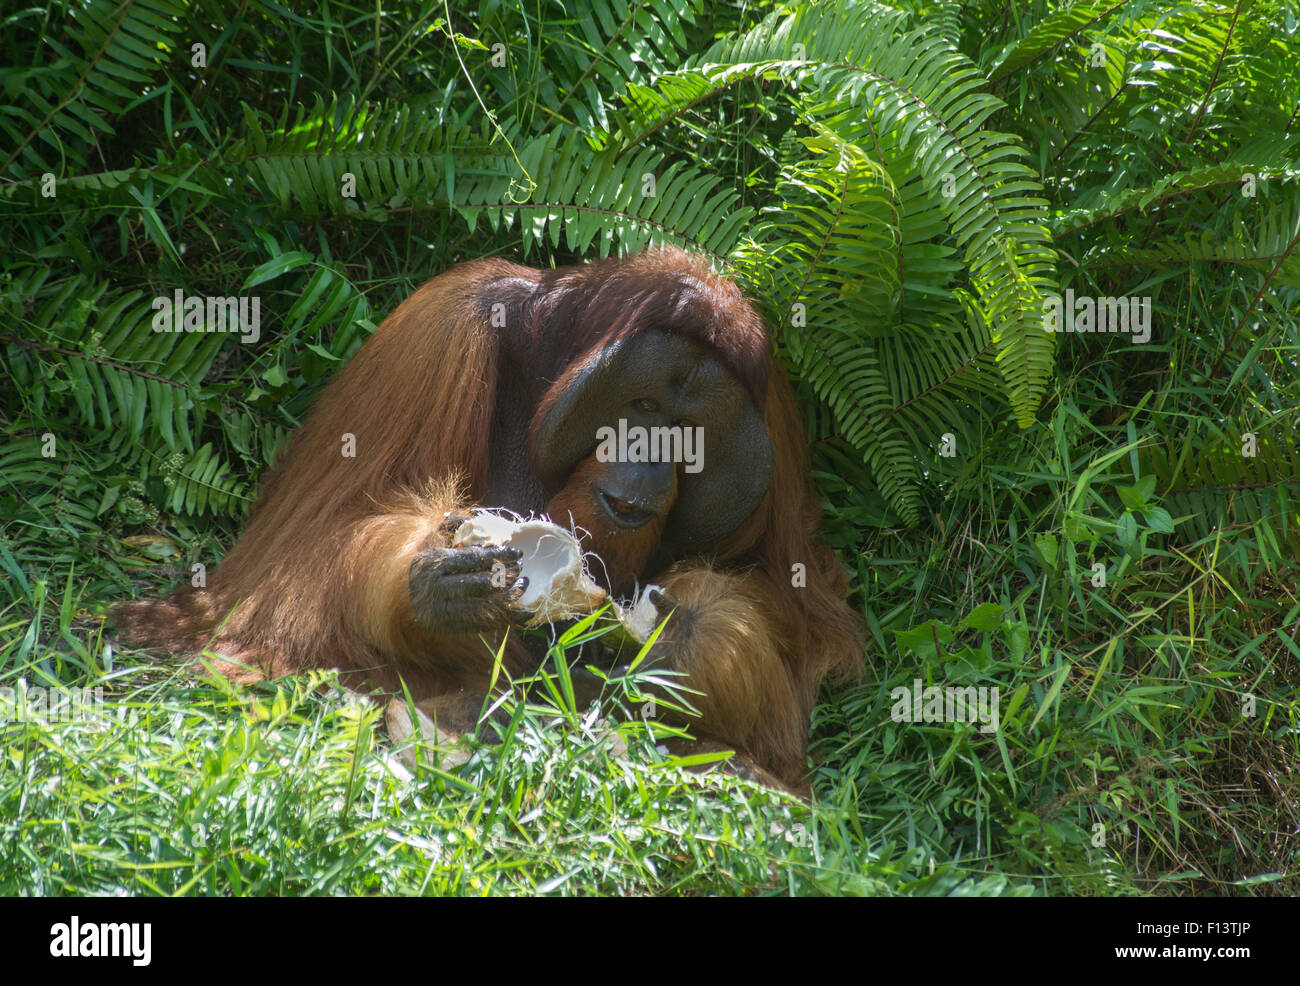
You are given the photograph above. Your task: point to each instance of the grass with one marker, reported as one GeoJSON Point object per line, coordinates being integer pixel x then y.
{"type": "Point", "coordinates": [1147, 739]}
{"type": "Point", "coordinates": [185, 787]}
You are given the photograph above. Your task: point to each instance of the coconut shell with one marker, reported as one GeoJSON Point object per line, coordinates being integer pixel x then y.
{"type": "Point", "coordinates": [559, 587]}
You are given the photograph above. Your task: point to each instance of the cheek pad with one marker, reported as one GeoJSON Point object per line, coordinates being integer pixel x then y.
{"type": "Point", "coordinates": [688, 382]}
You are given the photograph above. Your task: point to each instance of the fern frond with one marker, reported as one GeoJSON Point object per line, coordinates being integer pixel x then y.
{"type": "Point", "coordinates": [1058, 27]}
{"type": "Point", "coordinates": [929, 99]}
{"type": "Point", "coordinates": [1269, 158]}
{"type": "Point", "coordinates": [393, 157]}
{"type": "Point", "coordinates": [1268, 244]}
{"type": "Point", "coordinates": [834, 278]}
{"type": "Point", "coordinates": [123, 377]}
{"type": "Point", "coordinates": [115, 49]}
{"type": "Point", "coordinates": [584, 199]}
{"type": "Point", "coordinates": [1218, 480]}
{"type": "Point", "coordinates": [205, 484]}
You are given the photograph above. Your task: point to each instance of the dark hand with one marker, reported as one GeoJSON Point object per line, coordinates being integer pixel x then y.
{"type": "Point", "coordinates": [663, 605]}
{"type": "Point", "coordinates": [678, 626]}
{"type": "Point", "coordinates": [469, 589]}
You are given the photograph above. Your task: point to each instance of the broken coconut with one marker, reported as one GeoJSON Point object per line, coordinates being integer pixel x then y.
{"type": "Point", "coordinates": [640, 617]}
{"type": "Point", "coordinates": [551, 558]}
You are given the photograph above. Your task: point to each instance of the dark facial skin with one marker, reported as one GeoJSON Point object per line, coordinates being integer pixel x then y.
{"type": "Point", "coordinates": [657, 379]}
{"type": "Point", "coordinates": [635, 493]}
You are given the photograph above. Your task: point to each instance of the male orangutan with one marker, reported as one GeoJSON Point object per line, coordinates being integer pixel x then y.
{"type": "Point", "coordinates": [487, 387]}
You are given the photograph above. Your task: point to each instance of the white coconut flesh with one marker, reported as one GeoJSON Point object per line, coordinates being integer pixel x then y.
{"type": "Point", "coordinates": [642, 616]}
{"type": "Point", "coordinates": [549, 557]}
{"type": "Point", "coordinates": [559, 586]}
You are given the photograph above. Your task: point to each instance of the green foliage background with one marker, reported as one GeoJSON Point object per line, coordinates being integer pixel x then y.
{"type": "Point", "coordinates": [900, 187]}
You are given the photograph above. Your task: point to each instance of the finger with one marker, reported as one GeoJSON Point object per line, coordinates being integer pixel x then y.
{"type": "Point", "coordinates": [477, 558]}
{"type": "Point", "coordinates": [516, 590]}
{"type": "Point", "coordinates": [514, 612]}
{"type": "Point", "coordinates": [437, 564]}
{"type": "Point", "coordinates": [661, 602]}
{"type": "Point", "coordinates": [476, 585]}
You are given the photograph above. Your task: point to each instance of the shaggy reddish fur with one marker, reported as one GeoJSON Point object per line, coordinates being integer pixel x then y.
{"type": "Point", "coordinates": [320, 576]}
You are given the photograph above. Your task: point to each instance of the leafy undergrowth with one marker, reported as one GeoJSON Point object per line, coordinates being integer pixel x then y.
{"type": "Point", "coordinates": [1147, 672]}
{"type": "Point", "coordinates": [191, 787]}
